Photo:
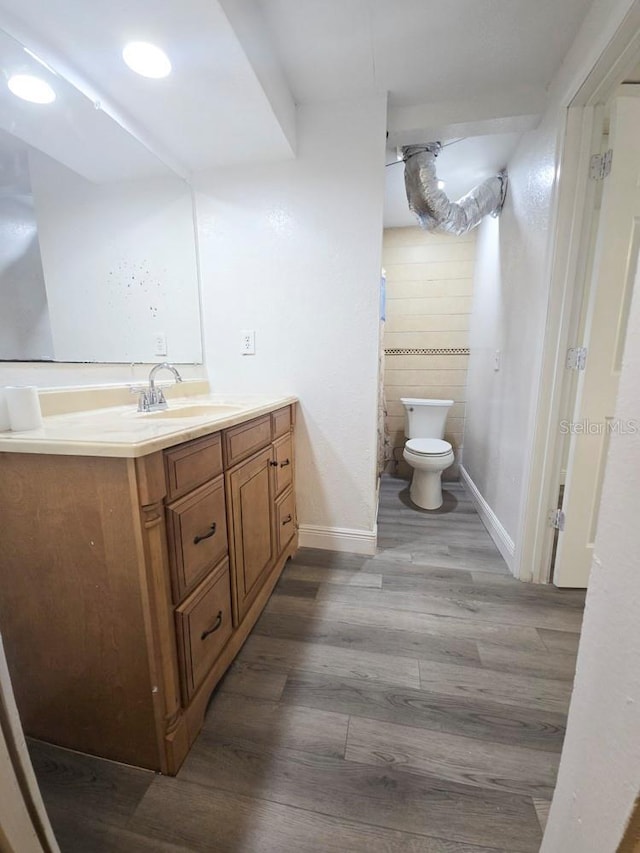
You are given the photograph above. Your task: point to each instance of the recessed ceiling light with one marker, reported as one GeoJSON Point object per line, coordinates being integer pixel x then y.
{"type": "Point", "coordinates": [146, 59]}
{"type": "Point", "coordinates": [31, 88]}
{"type": "Point", "coordinates": [441, 185]}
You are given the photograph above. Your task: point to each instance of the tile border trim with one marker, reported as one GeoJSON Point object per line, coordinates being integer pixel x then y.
{"type": "Point", "coordinates": [427, 351]}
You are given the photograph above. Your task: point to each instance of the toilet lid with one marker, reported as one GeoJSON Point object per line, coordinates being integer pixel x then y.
{"type": "Point", "coordinates": [428, 446]}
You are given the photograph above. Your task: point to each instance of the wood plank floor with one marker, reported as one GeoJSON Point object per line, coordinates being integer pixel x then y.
{"type": "Point", "coordinates": [413, 701]}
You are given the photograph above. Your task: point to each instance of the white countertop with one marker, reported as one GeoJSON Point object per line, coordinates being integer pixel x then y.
{"type": "Point", "coordinates": [122, 431]}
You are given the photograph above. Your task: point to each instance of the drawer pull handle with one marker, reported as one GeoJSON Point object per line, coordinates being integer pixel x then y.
{"type": "Point", "coordinates": [218, 623]}
{"type": "Point", "coordinates": [273, 463]}
{"type": "Point", "coordinates": [210, 533]}
{"type": "Point", "coordinates": [287, 519]}
{"type": "Point", "coordinates": [285, 463]}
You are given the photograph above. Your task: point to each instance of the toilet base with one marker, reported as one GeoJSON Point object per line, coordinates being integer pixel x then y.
{"type": "Point", "coordinates": [426, 489]}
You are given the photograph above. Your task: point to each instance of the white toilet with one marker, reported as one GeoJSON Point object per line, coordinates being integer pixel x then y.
{"type": "Point", "coordinates": [426, 451]}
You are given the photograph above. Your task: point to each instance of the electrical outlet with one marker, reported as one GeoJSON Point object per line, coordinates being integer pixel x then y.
{"type": "Point", "coordinates": [248, 342]}
{"type": "Point", "coordinates": [160, 343]}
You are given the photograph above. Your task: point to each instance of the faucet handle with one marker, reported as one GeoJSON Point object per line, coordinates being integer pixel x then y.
{"type": "Point", "coordinates": [155, 399]}
{"type": "Point", "coordinates": [144, 403]}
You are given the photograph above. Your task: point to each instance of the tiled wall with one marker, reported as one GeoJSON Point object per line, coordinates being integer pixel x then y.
{"type": "Point", "coordinates": [429, 288]}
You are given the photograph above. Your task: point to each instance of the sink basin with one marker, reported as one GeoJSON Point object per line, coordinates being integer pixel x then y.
{"type": "Point", "coordinates": [211, 410]}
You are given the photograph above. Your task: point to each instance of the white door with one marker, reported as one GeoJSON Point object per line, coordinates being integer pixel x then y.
{"type": "Point", "coordinates": [614, 270]}
{"type": "Point", "coordinates": [20, 800]}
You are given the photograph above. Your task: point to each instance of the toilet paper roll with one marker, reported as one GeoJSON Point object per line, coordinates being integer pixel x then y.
{"type": "Point", "coordinates": [4, 411]}
{"type": "Point", "coordinates": [24, 407]}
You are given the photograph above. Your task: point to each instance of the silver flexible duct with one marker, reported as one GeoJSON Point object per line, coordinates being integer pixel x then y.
{"type": "Point", "coordinates": [432, 206]}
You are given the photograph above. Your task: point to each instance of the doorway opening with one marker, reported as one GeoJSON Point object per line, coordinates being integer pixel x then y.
{"type": "Point", "coordinates": [593, 272]}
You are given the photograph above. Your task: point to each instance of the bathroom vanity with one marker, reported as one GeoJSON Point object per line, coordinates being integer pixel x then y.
{"type": "Point", "coordinates": [134, 561]}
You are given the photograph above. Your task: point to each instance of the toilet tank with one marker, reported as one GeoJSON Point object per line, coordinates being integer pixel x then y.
{"type": "Point", "coordinates": [425, 418]}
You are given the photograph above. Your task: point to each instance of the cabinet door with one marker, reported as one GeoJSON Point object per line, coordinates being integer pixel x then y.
{"type": "Point", "coordinates": [251, 503]}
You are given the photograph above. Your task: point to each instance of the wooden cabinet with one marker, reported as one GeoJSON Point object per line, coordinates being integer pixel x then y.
{"type": "Point", "coordinates": [128, 591]}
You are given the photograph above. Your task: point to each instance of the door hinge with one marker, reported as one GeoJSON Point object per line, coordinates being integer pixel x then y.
{"type": "Point", "coordinates": [556, 519]}
{"type": "Point", "coordinates": [600, 165]}
{"type": "Point", "coordinates": [576, 358]}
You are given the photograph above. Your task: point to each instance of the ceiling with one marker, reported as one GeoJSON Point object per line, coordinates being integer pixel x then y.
{"type": "Point", "coordinates": [472, 69]}
{"type": "Point", "coordinates": [71, 131]}
{"type": "Point", "coordinates": [476, 70]}
{"type": "Point", "coordinates": [225, 101]}
{"type": "Point", "coordinates": [420, 51]}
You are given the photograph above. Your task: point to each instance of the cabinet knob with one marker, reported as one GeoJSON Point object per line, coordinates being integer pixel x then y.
{"type": "Point", "coordinates": [274, 463]}
{"type": "Point", "coordinates": [287, 519]}
{"type": "Point", "coordinates": [285, 463]}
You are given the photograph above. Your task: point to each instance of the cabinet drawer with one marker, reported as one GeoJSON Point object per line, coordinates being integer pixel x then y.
{"type": "Point", "coordinates": [281, 421]}
{"type": "Point", "coordinates": [192, 464]}
{"type": "Point", "coordinates": [197, 528]}
{"type": "Point", "coordinates": [285, 520]}
{"type": "Point", "coordinates": [243, 440]}
{"type": "Point", "coordinates": [283, 463]}
{"type": "Point", "coordinates": [203, 626]}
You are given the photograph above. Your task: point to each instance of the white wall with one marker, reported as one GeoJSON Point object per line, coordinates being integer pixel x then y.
{"type": "Point", "coordinates": [509, 309]}
{"type": "Point", "coordinates": [599, 777]}
{"type": "Point", "coordinates": [293, 251]}
{"type": "Point", "coordinates": [511, 292]}
{"type": "Point", "coordinates": [119, 265]}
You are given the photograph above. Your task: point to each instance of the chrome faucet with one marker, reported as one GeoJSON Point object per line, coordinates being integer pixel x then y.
{"type": "Point", "coordinates": [152, 399]}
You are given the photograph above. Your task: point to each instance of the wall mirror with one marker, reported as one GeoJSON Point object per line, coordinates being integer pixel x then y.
{"type": "Point", "coordinates": [97, 240]}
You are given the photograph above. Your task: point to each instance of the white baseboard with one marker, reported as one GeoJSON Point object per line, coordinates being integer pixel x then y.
{"type": "Point", "coordinates": [338, 539]}
{"type": "Point", "coordinates": [503, 541]}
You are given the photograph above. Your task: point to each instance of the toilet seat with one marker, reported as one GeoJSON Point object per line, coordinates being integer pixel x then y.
{"type": "Point", "coordinates": [428, 447]}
